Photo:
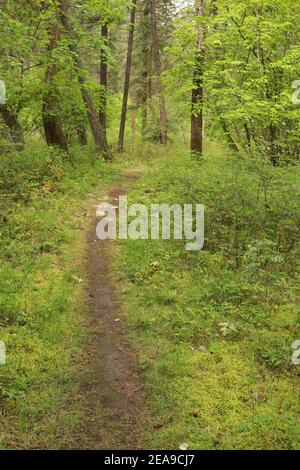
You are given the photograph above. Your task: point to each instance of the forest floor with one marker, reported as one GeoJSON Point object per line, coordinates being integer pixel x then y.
{"type": "Point", "coordinates": [139, 343]}
{"type": "Point", "coordinates": [117, 378]}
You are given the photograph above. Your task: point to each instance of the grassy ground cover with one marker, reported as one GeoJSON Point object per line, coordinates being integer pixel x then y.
{"type": "Point", "coordinates": [44, 211]}
{"type": "Point", "coordinates": [214, 328]}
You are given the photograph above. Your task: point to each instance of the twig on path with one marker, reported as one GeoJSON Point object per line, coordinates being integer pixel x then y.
{"type": "Point", "coordinates": [134, 391]}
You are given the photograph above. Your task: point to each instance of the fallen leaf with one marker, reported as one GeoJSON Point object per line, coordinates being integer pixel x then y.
{"type": "Point", "coordinates": [158, 425]}
{"type": "Point", "coordinates": [183, 446]}
{"type": "Point", "coordinates": [77, 279]}
{"type": "Point", "coordinates": [155, 264]}
{"type": "Point", "coordinates": [223, 325]}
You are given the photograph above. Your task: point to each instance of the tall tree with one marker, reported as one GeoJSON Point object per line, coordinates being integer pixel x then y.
{"type": "Point", "coordinates": [9, 116]}
{"type": "Point", "coordinates": [127, 76]}
{"type": "Point", "coordinates": [96, 128]}
{"type": "Point", "coordinates": [103, 78]}
{"type": "Point", "coordinates": [52, 125]}
{"type": "Point", "coordinates": [146, 63]}
{"type": "Point", "coordinates": [197, 92]}
{"type": "Point", "coordinates": [157, 68]}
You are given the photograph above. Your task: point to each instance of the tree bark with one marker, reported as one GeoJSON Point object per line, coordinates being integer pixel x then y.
{"type": "Point", "coordinates": [197, 93]}
{"type": "Point", "coordinates": [133, 123]}
{"type": "Point", "coordinates": [93, 118]}
{"type": "Point", "coordinates": [248, 138]}
{"type": "Point", "coordinates": [127, 76]}
{"type": "Point", "coordinates": [157, 67]}
{"type": "Point", "coordinates": [14, 127]}
{"type": "Point", "coordinates": [52, 126]}
{"type": "Point", "coordinates": [103, 80]}
{"type": "Point", "coordinates": [273, 146]}
{"type": "Point", "coordinates": [146, 38]}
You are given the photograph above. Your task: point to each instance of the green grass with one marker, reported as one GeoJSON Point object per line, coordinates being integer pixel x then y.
{"type": "Point", "coordinates": [209, 386]}
{"type": "Point", "coordinates": [45, 199]}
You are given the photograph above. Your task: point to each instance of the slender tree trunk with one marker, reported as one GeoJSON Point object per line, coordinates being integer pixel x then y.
{"type": "Point", "coordinates": [273, 146]}
{"type": "Point", "coordinates": [197, 93]}
{"type": "Point", "coordinates": [157, 67]}
{"type": "Point", "coordinates": [248, 138]}
{"type": "Point", "coordinates": [133, 123]}
{"type": "Point", "coordinates": [52, 126]}
{"type": "Point", "coordinates": [146, 38]}
{"type": "Point", "coordinates": [144, 116]}
{"type": "Point", "coordinates": [103, 80]}
{"type": "Point", "coordinates": [14, 127]}
{"type": "Point", "coordinates": [96, 128]}
{"type": "Point", "coordinates": [127, 76]}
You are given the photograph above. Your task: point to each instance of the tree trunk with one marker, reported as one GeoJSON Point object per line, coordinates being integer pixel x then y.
{"type": "Point", "coordinates": [197, 93]}
{"type": "Point", "coordinates": [146, 38]}
{"type": "Point", "coordinates": [157, 67]}
{"type": "Point", "coordinates": [127, 76]}
{"type": "Point", "coordinates": [52, 126]}
{"type": "Point", "coordinates": [273, 146]}
{"type": "Point", "coordinates": [133, 123]}
{"type": "Point", "coordinates": [14, 127]}
{"type": "Point", "coordinates": [93, 118]}
{"type": "Point", "coordinates": [144, 114]}
{"type": "Point", "coordinates": [103, 80]}
{"type": "Point", "coordinates": [248, 138]}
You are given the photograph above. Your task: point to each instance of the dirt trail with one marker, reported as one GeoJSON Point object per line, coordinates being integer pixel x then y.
{"type": "Point", "coordinates": [114, 366]}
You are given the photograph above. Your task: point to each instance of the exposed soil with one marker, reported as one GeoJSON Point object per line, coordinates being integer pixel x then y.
{"type": "Point", "coordinates": [116, 381]}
